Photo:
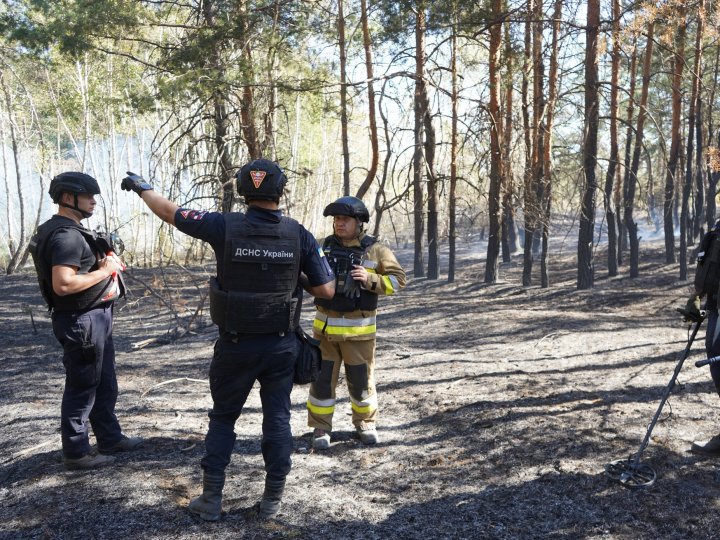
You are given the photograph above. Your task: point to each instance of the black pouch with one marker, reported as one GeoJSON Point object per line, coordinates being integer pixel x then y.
{"type": "Point", "coordinates": [707, 273]}
{"type": "Point", "coordinates": [307, 363]}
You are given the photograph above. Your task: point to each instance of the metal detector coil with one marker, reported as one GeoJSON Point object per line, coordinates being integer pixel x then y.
{"type": "Point", "coordinates": [631, 472]}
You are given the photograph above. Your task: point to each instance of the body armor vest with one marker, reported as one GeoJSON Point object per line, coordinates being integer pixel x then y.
{"type": "Point", "coordinates": [256, 291]}
{"type": "Point", "coordinates": [89, 298]}
{"type": "Point", "coordinates": [707, 273]}
{"type": "Point", "coordinates": [349, 295]}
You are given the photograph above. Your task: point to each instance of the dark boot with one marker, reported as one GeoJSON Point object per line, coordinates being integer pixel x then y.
{"type": "Point", "coordinates": [209, 505]}
{"type": "Point", "coordinates": [707, 448]}
{"type": "Point", "coordinates": [270, 503]}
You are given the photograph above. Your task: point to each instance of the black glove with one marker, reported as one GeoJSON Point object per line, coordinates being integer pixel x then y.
{"type": "Point", "coordinates": [352, 288]}
{"type": "Point", "coordinates": [691, 312]}
{"type": "Point", "coordinates": [135, 182]}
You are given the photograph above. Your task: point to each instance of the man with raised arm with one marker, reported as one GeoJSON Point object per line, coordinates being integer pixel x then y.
{"type": "Point", "coordinates": [255, 300]}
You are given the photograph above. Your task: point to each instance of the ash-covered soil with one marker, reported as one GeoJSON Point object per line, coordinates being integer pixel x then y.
{"type": "Point", "coordinates": [500, 407]}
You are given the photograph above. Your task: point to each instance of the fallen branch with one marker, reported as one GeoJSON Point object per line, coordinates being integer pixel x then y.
{"type": "Point", "coordinates": [156, 294]}
{"type": "Point", "coordinates": [30, 450]}
{"type": "Point", "coordinates": [169, 382]}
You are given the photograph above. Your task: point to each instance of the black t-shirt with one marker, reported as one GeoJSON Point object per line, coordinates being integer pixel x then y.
{"type": "Point", "coordinates": [68, 247]}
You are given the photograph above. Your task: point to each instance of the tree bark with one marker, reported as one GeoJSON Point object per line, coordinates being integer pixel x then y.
{"type": "Point", "coordinates": [713, 175]}
{"type": "Point", "coordinates": [693, 107]}
{"type": "Point", "coordinates": [509, 231]}
{"type": "Point", "coordinates": [343, 99]}
{"type": "Point", "coordinates": [621, 189]}
{"type": "Point", "coordinates": [587, 213]}
{"type": "Point", "coordinates": [529, 206]}
{"type": "Point", "coordinates": [547, 144]}
{"type": "Point", "coordinates": [16, 256]}
{"type": "Point", "coordinates": [493, 248]}
{"type": "Point", "coordinates": [673, 157]}
{"type": "Point", "coordinates": [539, 133]}
{"type": "Point", "coordinates": [432, 218]}
{"type": "Point", "coordinates": [419, 103]}
{"type": "Point", "coordinates": [630, 224]}
{"type": "Point", "coordinates": [219, 103]}
{"type": "Point", "coordinates": [372, 121]}
{"type": "Point", "coordinates": [452, 233]}
{"type": "Point", "coordinates": [612, 254]}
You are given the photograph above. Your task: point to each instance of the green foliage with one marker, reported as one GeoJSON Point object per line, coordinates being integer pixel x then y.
{"type": "Point", "coordinates": [74, 26]}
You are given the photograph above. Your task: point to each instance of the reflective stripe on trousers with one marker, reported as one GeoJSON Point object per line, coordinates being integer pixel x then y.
{"type": "Point", "coordinates": [358, 358]}
{"type": "Point", "coordinates": [335, 326]}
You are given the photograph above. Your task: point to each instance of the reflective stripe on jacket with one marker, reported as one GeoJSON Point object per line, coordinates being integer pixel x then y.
{"type": "Point", "coordinates": [385, 277]}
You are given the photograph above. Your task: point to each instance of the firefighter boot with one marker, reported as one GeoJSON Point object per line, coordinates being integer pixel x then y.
{"type": "Point", "coordinates": [368, 435]}
{"type": "Point", "coordinates": [209, 505]}
{"type": "Point", "coordinates": [270, 503]}
{"type": "Point", "coordinates": [321, 439]}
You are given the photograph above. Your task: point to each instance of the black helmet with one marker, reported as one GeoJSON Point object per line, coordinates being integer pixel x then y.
{"type": "Point", "coordinates": [261, 179]}
{"type": "Point", "coordinates": [348, 206]}
{"type": "Point", "coordinates": [72, 182]}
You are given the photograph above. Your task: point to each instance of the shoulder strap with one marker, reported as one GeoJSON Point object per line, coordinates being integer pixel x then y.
{"type": "Point", "coordinates": [367, 241]}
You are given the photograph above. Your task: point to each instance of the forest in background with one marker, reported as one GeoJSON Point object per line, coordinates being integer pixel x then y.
{"type": "Point", "coordinates": [450, 119]}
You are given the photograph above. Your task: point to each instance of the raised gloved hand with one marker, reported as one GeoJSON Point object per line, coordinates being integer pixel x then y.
{"type": "Point", "coordinates": [691, 312]}
{"type": "Point", "coordinates": [135, 182]}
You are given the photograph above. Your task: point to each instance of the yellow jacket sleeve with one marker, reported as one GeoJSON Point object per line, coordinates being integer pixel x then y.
{"type": "Point", "coordinates": [385, 275]}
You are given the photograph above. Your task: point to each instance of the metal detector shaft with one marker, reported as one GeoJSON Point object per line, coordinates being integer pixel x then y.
{"type": "Point", "coordinates": [708, 362]}
{"type": "Point", "coordinates": [668, 389]}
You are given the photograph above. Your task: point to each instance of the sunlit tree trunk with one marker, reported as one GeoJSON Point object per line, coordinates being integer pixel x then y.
{"type": "Point", "coordinates": [612, 168]}
{"type": "Point", "coordinates": [432, 218]}
{"type": "Point", "coordinates": [587, 212]}
{"type": "Point", "coordinates": [530, 215]}
{"type": "Point", "coordinates": [452, 233]}
{"type": "Point", "coordinates": [17, 255]}
{"type": "Point", "coordinates": [493, 248]}
{"type": "Point", "coordinates": [372, 121]}
{"type": "Point", "coordinates": [509, 228]}
{"type": "Point", "coordinates": [700, 159]}
{"type": "Point", "coordinates": [678, 64]}
{"type": "Point", "coordinates": [622, 187]}
{"type": "Point", "coordinates": [343, 99]}
{"type": "Point", "coordinates": [630, 224]}
{"type": "Point", "coordinates": [712, 175]}
{"type": "Point", "coordinates": [547, 144]}
{"type": "Point", "coordinates": [418, 169]}
{"type": "Point", "coordinates": [221, 121]}
{"type": "Point", "coordinates": [685, 224]}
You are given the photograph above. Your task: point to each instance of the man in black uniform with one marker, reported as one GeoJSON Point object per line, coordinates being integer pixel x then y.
{"type": "Point", "coordinates": [80, 280]}
{"type": "Point", "coordinates": [255, 300]}
{"type": "Point", "coordinates": [706, 285]}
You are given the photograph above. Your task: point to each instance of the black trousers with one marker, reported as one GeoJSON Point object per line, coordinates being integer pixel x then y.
{"type": "Point", "coordinates": [269, 359]}
{"type": "Point", "coordinates": [90, 382]}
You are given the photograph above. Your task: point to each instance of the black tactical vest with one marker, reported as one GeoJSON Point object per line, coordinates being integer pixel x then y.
{"type": "Point", "coordinates": [82, 300]}
{"type": "Point", "coordinates": [256, 291]}
{"type": "Point", "coordinates": [707, 273]}
{"type": "Point", "coordinates": [349, 295]}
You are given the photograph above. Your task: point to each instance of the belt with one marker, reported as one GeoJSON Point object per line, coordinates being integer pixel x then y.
{"type": "Point", "coordinates": [236, 337]}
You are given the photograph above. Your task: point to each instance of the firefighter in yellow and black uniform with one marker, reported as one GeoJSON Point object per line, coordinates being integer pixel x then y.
{"type": "Point", "coordinates": [345, 325]}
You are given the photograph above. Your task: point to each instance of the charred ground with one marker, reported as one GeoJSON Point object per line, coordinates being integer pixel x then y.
{"type": "Point", "coordinates": [500, 406]}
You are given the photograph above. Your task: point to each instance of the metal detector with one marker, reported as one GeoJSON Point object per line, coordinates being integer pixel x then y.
{"type": "Point", "coordinates": [631, 472]}
{"type": "Point", "coordinates": [708, 361]}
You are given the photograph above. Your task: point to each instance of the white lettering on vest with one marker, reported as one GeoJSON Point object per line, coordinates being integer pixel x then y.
{"type": "Point", "coordinates": [247, 252]}
{"type": "Point", "coordinates": [278, 254]}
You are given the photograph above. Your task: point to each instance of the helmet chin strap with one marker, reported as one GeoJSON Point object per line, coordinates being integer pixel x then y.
{"type": "Point", "coordinates": [82, 212]}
